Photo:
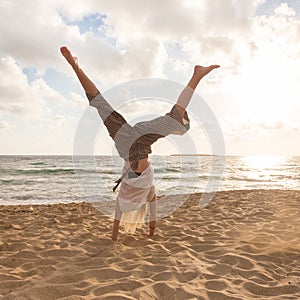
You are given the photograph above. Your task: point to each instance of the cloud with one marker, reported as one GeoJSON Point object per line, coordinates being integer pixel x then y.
{"type": "Point", "coordinates": [280, 125]}
{"type": "Point", "coordinates": [45, 92]}
{"type": "Point", "coordinates": [205, 30]}
{"type": "Point", "coordinates": [47, 29]}
{"type": "Point", "coordinates": [4, 125]}
{"type": "Point", "coordinates": [16, 94]}
{"type": "Point", "coordinates": [284, 10]}
{"type": "Point", "coordinates": [33, 33]}
{"type": "Point", "coordinates": [78, 101]}
{"type": "Point", "coordinates": [20, 97]}
{"type": "Point", "coordinates": [257, 130]}
{"type": "Point", "coordinates": [60, 124]}
{"type": "Point", "coordinates": [134, 33]}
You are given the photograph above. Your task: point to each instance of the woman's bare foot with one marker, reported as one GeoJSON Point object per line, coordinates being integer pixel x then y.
{"type": "Point", "coordinates": [73, 61]}
{"type": "Point", "coordinates": [200, 71]}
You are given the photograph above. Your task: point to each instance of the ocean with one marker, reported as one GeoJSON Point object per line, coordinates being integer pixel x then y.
{"type": "Point", "coordinates": [58, 179]}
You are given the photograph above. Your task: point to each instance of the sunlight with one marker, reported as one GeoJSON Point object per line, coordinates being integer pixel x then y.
{"type": "Point", "coordinates": [264, 92]}
{"type": "Point", "coordinates": [263, 162]}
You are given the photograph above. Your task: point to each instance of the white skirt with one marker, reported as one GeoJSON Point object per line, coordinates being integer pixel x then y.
{"type": "Point", "coordinates": [133, 196]}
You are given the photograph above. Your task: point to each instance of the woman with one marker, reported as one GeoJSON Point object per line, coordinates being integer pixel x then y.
{"type": "Point", "coordinates": [134, 145]}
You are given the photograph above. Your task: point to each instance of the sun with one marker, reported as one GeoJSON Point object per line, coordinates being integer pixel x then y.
{"type": "Point", "coordinates": [263, 88]}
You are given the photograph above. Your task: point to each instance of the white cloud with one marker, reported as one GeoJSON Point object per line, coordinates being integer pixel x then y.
{"type": "Point", "coordinates": [4, 125]}
{"type": "Point", "coordinates": [284, 10]}
{"type": "Point", "coordinates": [251, 128]}
{"type": "Point", "coordinates": [41, 88]}
{"type": "Point", "coordinates": [78, 101]}
{"type": "Point", "coordinates": [19, 97]}
{"type": "Point", "coordinates": [140, 30]}
{"type": "Point", "coordinates": [16, 95]}
{"type": "Point", "coordinates": [61, 124]}
{"type": "Point", "coordinates": [31, 31]}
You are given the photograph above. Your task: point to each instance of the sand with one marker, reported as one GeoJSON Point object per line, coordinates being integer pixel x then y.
{"type": "Point", "coordinates": [243, 245]}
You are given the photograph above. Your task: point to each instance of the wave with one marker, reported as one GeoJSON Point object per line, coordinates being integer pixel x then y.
{"type": "Point", "coordinates": [36, 171]}
{"type": "Point", "coordinates": [232, 178]}
{"type": "Point", "coordinates": [57, 171]}
{"type": "Point", "coordinates": [207, 177]}
{"type": "Point", "coordinates": [24, 197]}
{"type": "Point", "coordinates": [18, 182]}
{"type": "Point", "coordinates": [89, 171]}
{"type": "Point", "coordinates": [166, 170]}
{"type": "Point", "coordinates": [168, 178]}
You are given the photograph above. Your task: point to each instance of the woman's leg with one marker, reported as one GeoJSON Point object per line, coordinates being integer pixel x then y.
{"type": "Point", "coordinates": [111, 118]}
{"type": "Point", "coordinates": [116, 225]}
{"type": "Point", "coordinates": [186, 95]}
{"type": "Point", "coordinates": [152, 215]}
{"type": "Point", "coordinates": [176, 121]}
{"type": "Point", "coordinates": [89, 87]}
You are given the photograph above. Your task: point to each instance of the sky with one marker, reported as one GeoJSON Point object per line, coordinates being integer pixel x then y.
{"type": "Point", "coordinates": [255, 95]}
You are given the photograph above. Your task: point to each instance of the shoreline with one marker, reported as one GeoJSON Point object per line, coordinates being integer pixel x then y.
{"type": "Point", "coordinates": [177, 195]}
{"type": "Point", "coordinates": [244, 244]}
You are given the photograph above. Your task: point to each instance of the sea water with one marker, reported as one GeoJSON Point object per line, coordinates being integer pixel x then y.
{"type": "Point", "coordinates": [57, 179]}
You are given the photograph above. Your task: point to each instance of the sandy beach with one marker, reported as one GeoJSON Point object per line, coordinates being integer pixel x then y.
{"type": "Point", "coordinates": [243, 245]}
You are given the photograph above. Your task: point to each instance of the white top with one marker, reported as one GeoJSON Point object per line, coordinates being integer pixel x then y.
{"type": "Point", "coordinates": [133, 193]}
